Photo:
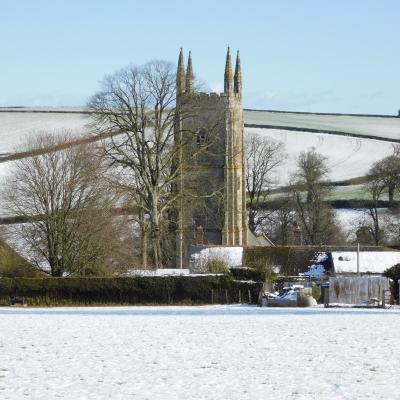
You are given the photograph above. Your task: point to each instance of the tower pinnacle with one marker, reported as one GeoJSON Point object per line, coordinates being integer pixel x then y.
{"type": "Point", "coordinates": [180, 75]}
{"type": "Point", "coordinates": [189, 75]}
{"type": "Point", "coordinates": [228, 78]}
{"type": "Point", "coordinates": [238, 75]}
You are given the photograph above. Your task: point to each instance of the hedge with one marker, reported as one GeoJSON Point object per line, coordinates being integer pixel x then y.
{"type": "Point", "coordinates": [136, 290]}
{"type": "Point", "coordinates": [247, 274]}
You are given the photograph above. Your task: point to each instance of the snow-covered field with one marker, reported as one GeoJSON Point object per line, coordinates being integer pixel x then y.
{"type": "Point", "coordinates": [4, 172]}
{"type": "Point", "coordinates": [15, 127]}
{"type": "Point", "coordinates": [199, 353]}
{"type": "Point", "coordinates": [347, 157]}
{"type": "Point", "coordinates": [358, 125]}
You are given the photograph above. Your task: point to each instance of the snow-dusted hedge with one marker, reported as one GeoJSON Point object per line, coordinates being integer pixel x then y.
{"type": "Point", "coordinates": [135, 290]}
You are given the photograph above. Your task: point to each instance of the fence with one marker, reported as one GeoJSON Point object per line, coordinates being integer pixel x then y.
{"type": "Point", "coordinates": [356, 290]}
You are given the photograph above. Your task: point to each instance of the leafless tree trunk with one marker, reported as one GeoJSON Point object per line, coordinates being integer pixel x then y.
{"type": "Point", "coordinates": [263, 156]}
{"type": "Point", "coordinates": [309, 189]}
{"type": "Point", "coordinates": [138, 103]}
{"type": "Point", "coordinates": [375, 188]}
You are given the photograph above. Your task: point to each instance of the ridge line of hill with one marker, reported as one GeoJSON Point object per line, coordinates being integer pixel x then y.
{"type": "Point", "coordinates": [21, 109]}
{"type": "Point", "coordinates": [44, 111]}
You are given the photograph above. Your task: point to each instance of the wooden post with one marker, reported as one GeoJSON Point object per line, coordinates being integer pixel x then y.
{"type": "Point", "coordinates": [226, 296]}
{"type": "Point", "coordinates": [383, 299]}
{"type": "Point", "coordinates": [240, 297]}
{"type": "Point", "coordinates": [326, 297]}
{"type": "Point", "coordinates": [212, 296]}
{"type": "Point", "coordinates": [249, 293]}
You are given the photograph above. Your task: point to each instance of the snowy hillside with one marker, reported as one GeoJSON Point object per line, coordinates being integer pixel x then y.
{"type": "Point", "coordinates": [359, 125]}
{"type": "Point", "coordinates": [16, 126]}
{"type": "Point", "coordinates": [348, 157]}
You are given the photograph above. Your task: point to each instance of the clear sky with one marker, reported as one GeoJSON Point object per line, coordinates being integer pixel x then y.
{"type": "Point", "coordinates": [300, 55]}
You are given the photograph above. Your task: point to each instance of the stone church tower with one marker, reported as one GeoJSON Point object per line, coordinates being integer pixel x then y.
{"type": "Point", "coordinates": [212, 205]}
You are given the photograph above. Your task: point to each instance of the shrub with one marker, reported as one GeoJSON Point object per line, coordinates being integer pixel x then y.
{"type": "Point", "coordinates": [247, 274]}
{"type": "Point", "coordinates": [12, 265]}
{"type": "Point", "coordinates": [264, 270]}
{"type": "Point", "coordinates": [217, 265]}
{"type": "Point", "coordinates": [393, 272]}
{"type": "Point", "coordinates": [316, 293]}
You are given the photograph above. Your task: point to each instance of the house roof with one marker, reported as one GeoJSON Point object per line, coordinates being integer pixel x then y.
{"type": "Point", "coordinates": [373, 262]}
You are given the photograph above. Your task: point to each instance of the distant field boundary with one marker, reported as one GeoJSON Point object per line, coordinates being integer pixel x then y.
{"type": "Point", "coordinates": [319, 113]}
{"type": "Point", "coordinates": [324, 131]}
{"type": "Point", "coordinates": [23, 109]}
{"type": "Point", "coordinates": [33, 111]}
{"type": "Point", "coordinates": [63, 146]}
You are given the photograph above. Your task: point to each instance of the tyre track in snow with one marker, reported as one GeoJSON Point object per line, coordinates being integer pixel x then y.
{"type": "Point", "coordinates": [357, 147]}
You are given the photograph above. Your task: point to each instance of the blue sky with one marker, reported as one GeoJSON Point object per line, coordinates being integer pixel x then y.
{"type": "Point", "coordinates": [300, 55]}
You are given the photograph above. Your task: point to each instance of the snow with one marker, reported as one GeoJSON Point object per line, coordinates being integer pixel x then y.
{"type": "Point", "coordinates": [315, 271]}
{"type": "Point", "coordinates": [347, 157]}
{"type": "Point", "coordinates": [358, 125]}
{"type": "Point", "coordinates": [370, 261]}
{"type": "Point", "coordinates": [16, 126]}
{"type": "Point", "coordinates": [4, 172]}
{"type": "Point", "coordinates": [216, 353]}
{"type": "Point", "coordinates": [232, 255]}
{"type": "Point", "coordinates": [158, 272]}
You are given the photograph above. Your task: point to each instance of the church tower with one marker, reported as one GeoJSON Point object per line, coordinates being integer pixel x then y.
{"type": "Point", "coordinates": [211, 184]}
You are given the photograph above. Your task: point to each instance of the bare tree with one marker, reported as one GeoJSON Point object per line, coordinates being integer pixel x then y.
{"type": "Point", "coordinates": [138, 103]}
{"type": "Point", "coordinates": [375, 187]}
{"type": "Point", "coordinates": [387, 173]}
{"type": "Point", "coordinates": [309, 189]}
{"type": "Point", "coordinates": [263, 156]}
{"type": "Point", "coordinates": [136, 107]}
{"type": "Point", "coordinates": [65, 206]}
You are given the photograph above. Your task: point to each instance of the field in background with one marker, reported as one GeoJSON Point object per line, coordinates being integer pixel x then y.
{"type": "Point", "coordinates": [384, 126]}
{"type": "Point", "coordinates": [348, 157]}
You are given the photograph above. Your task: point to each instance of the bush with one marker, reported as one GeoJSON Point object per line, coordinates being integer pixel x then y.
{"type": "Point", "coordinates": [247, 274]}
{"type": "Point", "coordinates": [12, 265]}
{"type": "Point", "coordinates": [316, 293]}
{"type": "Point", "coordinates": [217, 265]}
{"type": "Point", "coordinates": [393, 272]}
{"type": "Point", "coordinates": [264, 271]}
{"type": "Point", "coordinates": [136, 290]}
